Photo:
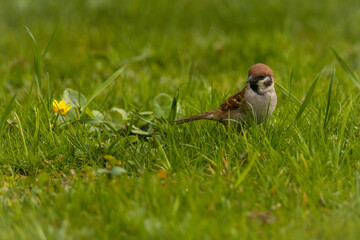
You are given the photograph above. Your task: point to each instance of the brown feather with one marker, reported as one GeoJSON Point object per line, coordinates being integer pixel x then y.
{"type": "Point", "coordinates": [206, 115]}
{"type": "Point", "coordinates": [236, 101]}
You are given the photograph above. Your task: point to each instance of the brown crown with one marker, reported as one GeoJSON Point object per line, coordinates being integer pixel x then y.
{"type": "Point", "coordinates": [260, 69]}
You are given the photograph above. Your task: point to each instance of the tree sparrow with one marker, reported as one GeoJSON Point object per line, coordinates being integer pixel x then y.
{"type": "Point", "coordinates": [256, 101]}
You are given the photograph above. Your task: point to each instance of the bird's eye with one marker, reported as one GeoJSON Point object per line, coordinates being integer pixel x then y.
{"type": "Point", "coordinates": [261, 77]}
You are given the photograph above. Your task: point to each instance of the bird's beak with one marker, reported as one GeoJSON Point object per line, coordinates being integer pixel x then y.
{"type": "Point", "coordinates": [250, 78]}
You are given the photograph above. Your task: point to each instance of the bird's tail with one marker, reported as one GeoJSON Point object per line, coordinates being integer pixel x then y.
{"type": "Point", "coordinates": [207, 115]}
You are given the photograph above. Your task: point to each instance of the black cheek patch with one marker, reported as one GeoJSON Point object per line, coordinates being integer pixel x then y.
{"type": "Point", "coordinates": [268, 83]}
{"type": "Point", "coordinates": [254, 87]}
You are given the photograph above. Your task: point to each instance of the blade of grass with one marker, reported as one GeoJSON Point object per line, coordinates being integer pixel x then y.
{"type": "Point", "coordinates": [307, 98]}
{"type": "Point", "coordinates": [287, 93]}
{"type": "Point", "coordinates": [293, 98]}
{"type": "Point", "coordinates": [49, 44]}
{"type": "Point", "coordinates": [341, 133]}
{"type": "Point", "coordinates": [145, 120]}
{"type": "Point", "coordinates": [128, 131]}
{"type": "Point", "coordinates": [172, 113]}
{"type": "Point", "coordinates": [32, 37]}
{"type": "Point", "coordinates": [22, 134]}
{"type": "Point", "coordinates": [6, 113]}
{"type": "Point", "coordinates": [290, 82]}
{"type": "Point", "coordinates": [245, 173]}
{"type": "Point", "coordinates": [102, 87]}
{"type": "Point", "coordinates": [37, 61]}
{"type": "Point", "coordinates": [37, 122]}
{"type": "Point", "coordinates": [38, 58]}
{"type": "Point", "coordinates": [329, 97]}
{"type": "Point", "coordinates": [166, 164]}
{"type": "Point", "coordinates": [344, 65]}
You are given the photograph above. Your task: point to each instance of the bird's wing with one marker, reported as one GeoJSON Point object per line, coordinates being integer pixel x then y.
{"type": "Point", "coordinates": [235, 102]}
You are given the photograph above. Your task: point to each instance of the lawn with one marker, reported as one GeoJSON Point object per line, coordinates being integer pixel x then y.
{"type": "Point", "coordinates": [116, 167]}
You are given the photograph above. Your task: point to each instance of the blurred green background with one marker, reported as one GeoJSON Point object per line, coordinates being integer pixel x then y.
{"type": "Point", "coordinates": [216, 40]}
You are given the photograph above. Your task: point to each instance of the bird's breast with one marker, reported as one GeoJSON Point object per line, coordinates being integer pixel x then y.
{"type": "Point", "coordinates": [260, 106]}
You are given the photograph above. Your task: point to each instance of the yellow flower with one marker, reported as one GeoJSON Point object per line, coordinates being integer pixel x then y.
{"type": "Point", "coordinates": [61, 107]}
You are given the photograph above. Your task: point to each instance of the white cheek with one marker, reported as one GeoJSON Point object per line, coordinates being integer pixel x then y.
{"type": "Point", "coordinates": [261, 83]}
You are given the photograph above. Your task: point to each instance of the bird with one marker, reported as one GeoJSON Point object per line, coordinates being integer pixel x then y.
{"type": "Point", "coordinates": [256, 102]}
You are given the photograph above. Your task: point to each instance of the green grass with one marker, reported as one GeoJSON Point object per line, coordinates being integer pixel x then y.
{"type": "Point", "coordinates": [95, 173]}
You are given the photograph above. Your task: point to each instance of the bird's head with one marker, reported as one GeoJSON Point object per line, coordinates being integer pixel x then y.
{"type": "Point", "coordinates": [261, 78]}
